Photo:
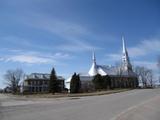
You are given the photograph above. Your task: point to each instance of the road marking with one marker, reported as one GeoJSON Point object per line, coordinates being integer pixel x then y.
{"type": "Point", "coordinates": [131, 108]}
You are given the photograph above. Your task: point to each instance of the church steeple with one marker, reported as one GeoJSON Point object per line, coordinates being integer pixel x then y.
{"type": "Point", "coordinates": [125, 58]}
{"type": "Point", "coordinates": [124, 45]}
{"type": "Point", "coordinates": [124, 51]}
{"type": "Point", "coordinates": [93, 69]}
{"type": "Point", "coordinates": [94, 57]}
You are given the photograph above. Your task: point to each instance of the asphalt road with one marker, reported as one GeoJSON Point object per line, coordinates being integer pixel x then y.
{"type": "Point", "coordinates": [130, 105]}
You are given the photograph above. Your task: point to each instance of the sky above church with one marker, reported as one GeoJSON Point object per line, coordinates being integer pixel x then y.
{"type": "Point", "coordinates": [36, 35]}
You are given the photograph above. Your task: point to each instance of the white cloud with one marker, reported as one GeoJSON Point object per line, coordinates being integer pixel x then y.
{"type": "Point", "coordinates": [31, 57]}
{"type": "Point", "coordinates": [60, 55]}
{"type": "Point", "coordinates": [113, 57]}
{"type": "Point", "coordinates": [145, 47]}
{"type": "Point", "coordinates": [149, 65]}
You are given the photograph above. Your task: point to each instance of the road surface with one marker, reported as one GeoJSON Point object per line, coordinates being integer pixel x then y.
{"type": "Point", "coordinates": [130, 105]}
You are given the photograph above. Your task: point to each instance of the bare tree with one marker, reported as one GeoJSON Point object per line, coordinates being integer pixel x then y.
{"type": "Point", "coordinates": [119, 69]}
{"type": "Point", "coordinates": [119, 72]}
{"type": "Point", "coordinates": [12, 78]}
{"type": "Point", "coordinates": [140, 71]}
{"type": "Point", "coordinates": [144, 75]}
{"type": "Point", "coordinates": [149, 77]}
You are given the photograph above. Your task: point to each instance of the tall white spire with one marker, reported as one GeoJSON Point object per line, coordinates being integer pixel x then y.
{"type": "Point", "coordinates": [125, 58]}
{"type": "Point", "coordinates": [94, 57]}
{"type": "Point", "coordinates": [93, 69]}
{"type": "Point", "coordinates": [124, 45]}
{"type": "Point", "coordinates": [124, 51]}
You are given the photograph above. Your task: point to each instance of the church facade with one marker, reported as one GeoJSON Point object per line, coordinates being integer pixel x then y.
{"type": "Point", "coordinates": [122, 76]}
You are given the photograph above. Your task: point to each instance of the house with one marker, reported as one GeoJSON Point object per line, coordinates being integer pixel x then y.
{"type": "Point", "coordinates": [38, 83]}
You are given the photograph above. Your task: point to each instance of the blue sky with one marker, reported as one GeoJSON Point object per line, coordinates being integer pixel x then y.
{"type": "Point", "coordinates": [36, 35]}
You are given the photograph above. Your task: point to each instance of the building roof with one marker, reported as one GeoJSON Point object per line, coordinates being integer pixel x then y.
{"type": "Point", "coordinates": [41, 76]}
{"type": "Point", "coordinates": [38, 76]}
{"type": "Point", "coordinates": [93, 70]}
{"type": "Point", "coordinates": [125, 69]}
{"type": "Point", "coordinates": [107, 70]}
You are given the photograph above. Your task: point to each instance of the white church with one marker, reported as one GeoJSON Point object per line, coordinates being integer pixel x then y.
{"type": "Point", "coordinates": [122, 75]}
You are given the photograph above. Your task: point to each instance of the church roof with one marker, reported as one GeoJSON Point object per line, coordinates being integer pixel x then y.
{"type": "Point", "coordinates": [100, 69]}
{"type": "Point", "coordinates": [125, 69]}
{"type": "Point", "coordinates": [107, 70]}
{"type": "Point", "coordinates": [93, 70]}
